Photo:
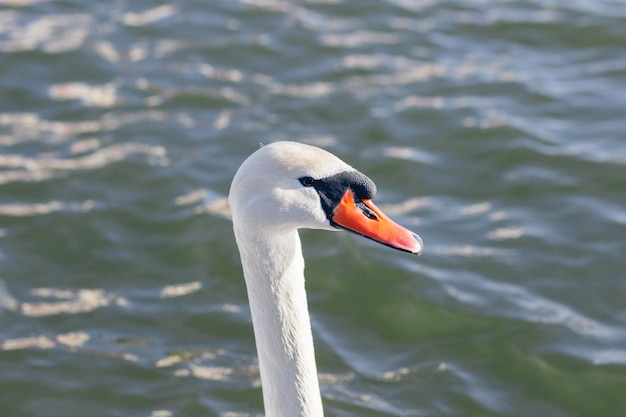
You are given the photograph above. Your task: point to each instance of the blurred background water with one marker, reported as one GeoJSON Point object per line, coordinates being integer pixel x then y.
{"type": "Point", "coordinates": [496, 129]}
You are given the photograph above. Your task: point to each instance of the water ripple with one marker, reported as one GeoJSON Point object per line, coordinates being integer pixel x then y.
{"type": "Point", "coordinates": [45, 167]}
{"type": "Point", "coordinates": [50, 33]}
{"type": "Point", "coordinates": [493, 128]}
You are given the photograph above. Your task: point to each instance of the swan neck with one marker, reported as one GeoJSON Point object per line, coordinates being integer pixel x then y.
{"type": "Point", "coordinates": [274, 272]}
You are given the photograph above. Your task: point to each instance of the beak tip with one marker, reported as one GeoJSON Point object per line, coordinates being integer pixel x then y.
{"type": "Point", "coordinates": [419, 244]}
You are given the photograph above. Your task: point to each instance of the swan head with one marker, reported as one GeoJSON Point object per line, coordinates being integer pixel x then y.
{"type": "Point", "coordinates": [285, 186]}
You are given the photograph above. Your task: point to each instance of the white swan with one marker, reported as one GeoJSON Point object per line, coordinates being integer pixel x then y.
{"type": "Point", "coordinates": [280, 188]}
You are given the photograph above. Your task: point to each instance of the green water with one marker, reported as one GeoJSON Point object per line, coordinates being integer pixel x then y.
{"type": "Point", "coordinates": [495, 129]}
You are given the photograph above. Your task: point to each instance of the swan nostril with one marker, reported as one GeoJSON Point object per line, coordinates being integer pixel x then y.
{"type": "Point", "coordinates": [366, 210]}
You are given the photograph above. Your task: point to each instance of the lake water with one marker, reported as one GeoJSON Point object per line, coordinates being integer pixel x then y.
{"type": "Point", "coordinates": [495, 129]}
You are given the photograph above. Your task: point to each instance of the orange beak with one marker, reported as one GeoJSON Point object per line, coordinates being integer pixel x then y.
{"type": "Point", "coordinates": [364, 218]}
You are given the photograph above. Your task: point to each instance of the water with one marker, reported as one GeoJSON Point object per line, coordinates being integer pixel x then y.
{"type": "Point", "coordinates": [493, 128]}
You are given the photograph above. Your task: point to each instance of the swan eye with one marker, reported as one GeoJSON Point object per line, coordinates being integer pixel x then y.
{"type": "Point", "coordinates": [307, 181]}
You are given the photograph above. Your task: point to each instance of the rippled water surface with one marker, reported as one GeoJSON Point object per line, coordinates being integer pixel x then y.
{"type": "Point", "coordinates": [495, 129]}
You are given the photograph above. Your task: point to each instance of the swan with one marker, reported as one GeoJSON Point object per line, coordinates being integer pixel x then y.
{"type": "Point", "coordinates": [280, 188]}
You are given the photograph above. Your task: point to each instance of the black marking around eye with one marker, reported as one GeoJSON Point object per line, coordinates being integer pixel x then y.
{"type": "Point", "coordinates": [332, 189]}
